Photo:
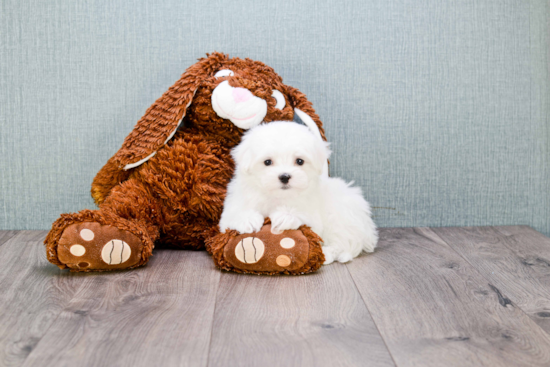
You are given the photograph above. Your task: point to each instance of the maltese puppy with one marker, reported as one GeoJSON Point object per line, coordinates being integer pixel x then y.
{"type": "Point", "coordinates": [281, 174]}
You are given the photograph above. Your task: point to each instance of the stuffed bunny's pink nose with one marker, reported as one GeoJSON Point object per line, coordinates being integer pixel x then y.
{"type": "Point", "coordinates": [241, 95]}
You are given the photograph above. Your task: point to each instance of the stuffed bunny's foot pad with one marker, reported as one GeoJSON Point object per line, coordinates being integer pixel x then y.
{"type": "Point", "coordinates": [91, 246]}
{"type": "Point", "coordinates": [267, 252]}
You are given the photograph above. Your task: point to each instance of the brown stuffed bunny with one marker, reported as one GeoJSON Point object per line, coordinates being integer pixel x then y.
{"type": "Point", "coordinates": [167, 183]}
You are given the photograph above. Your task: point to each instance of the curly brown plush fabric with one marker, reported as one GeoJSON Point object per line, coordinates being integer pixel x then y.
{"type": "Point", "coordinates": [167, 183]}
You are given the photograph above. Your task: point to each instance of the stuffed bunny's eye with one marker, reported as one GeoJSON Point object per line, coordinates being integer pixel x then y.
{"type": "Point", "coordinates": [279, 98]}
{"type": "Point", "coordinates": [224, 72]}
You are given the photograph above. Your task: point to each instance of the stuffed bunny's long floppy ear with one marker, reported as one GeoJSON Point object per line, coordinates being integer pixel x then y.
{"type": "Point", "coordinates": [161, 120]}
{"type": "Point", "coordinates": [305, 114]}
{"type": "Point", "coordinates": [157, 126]}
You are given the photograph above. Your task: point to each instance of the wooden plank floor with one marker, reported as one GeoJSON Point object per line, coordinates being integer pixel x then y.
{"type": "Point", "coordinates": [476, 296]}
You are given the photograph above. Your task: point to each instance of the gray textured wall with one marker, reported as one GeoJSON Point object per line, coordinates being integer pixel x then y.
{"type": "Point", "coordinates": [438, 109]}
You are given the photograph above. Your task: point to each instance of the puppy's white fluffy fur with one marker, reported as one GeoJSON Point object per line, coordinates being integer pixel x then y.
{"type": "Point", "coordinates": [333, 209]}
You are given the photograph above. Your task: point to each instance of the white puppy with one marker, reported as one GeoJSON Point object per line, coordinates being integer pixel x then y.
{"type": "Point", "coordinates": [280, 174]}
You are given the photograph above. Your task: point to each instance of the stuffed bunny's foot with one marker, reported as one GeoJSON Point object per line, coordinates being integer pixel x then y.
{"type": "Point", "coordinates": [90, 246]}
{"type": "Point", "coordinates": [290, 252]}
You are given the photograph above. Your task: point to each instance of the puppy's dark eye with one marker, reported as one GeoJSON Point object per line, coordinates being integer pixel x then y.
{"type": "Point", "coordinates": [268, 162]}
{"type": "Point", "coordinates": [299, 161]}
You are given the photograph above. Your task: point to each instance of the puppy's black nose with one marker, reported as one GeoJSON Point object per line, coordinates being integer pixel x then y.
{"type": "Point", "coordinates": [284, 178]}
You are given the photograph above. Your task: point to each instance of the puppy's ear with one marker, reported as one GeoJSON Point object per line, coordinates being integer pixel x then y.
{"type": "Point", "coordinates": [321, 154]}
{"type": "Point", "coordinates": [242, 155]}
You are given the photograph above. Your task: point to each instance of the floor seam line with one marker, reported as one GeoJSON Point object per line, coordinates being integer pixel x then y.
{"type": "Point", "coordinates": [213, 316]}
{"type": "Point", "coordinates": [372, 318]}
{"type": "Point", "coordinates": [10, 238]}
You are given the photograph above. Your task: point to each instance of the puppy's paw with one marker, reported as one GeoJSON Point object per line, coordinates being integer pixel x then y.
{"type": "Point", "coordinates": [283, 220]}
{"type": "Point", "coordinates": [329, 255]}
{"type": "Point", "coordinates": [245, 222]}
{"type": "Point", "coordinates": [344, 257]}
{"type": "Point", "coordinates": [332, 254]}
